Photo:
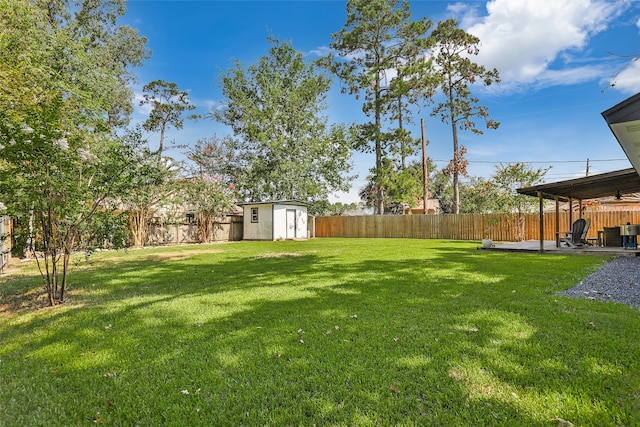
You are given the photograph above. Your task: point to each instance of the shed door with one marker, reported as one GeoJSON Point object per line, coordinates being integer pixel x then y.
{"type": "Point", "coordinates": [291, 223]}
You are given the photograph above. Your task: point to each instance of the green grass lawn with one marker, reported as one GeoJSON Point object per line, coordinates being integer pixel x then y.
{"type": "Point", "coordinates": [320, 332]}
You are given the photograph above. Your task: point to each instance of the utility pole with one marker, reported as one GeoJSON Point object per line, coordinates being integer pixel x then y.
{"type": "Point", "coordinates": [425, 172]}
{"type": "Point", "coordinates": [587, 167]}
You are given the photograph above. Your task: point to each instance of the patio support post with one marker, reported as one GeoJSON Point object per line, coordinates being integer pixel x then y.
{"type": "Point", "coordinates": [557, 199]}
{"type": "Point", "coordinates": [570, 212]}
{"type": "Point", "coordinates": [580, 208]}
{"type": "Point", "coordinates": [541, 202]}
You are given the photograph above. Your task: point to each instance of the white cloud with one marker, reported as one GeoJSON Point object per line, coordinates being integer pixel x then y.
{"type": "Point", "coordinates": [144, 109]}
{"type": "Point", "coordinates": [211, 104]}
{"type": "Point", "coordinates": [466, 13]}
{"type": "Point", "coordinates": [320, 51]}
{"type": "Point", "coordinates": [576, 75]}
{"type": "Point", "coordinates": [628, 80]}
{"type": "Point", "coordinates": [523, 38]}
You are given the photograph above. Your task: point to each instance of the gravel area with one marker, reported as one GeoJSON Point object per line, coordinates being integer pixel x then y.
{"type": "Point", "coordinates": [618, 281]}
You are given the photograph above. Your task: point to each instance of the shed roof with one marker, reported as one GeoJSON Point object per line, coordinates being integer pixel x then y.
{"type": "Point", "coordinates": [279, 202]}
{"type": "Point", "coordinates": [592, 187]}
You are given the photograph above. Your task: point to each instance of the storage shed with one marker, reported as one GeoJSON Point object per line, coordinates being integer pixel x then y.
{"type": "Point", "coordinates": [285, 219]}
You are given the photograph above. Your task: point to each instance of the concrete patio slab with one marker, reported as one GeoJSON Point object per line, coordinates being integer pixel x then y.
{"type": "Point", "coordinates": [549, 246]}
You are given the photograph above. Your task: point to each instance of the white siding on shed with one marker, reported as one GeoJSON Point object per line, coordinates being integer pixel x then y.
{"type": "Point", "coordinates": [260, 230]}
{"type": "Point", "coordinates": [275, 221]}
{"type": "Point", "coordinates": [286, 227]}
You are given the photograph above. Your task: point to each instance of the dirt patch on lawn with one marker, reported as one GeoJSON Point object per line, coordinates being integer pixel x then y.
{"type": "Point", "coordinates": [279, 255]}
{"type": "Point", "coordinates": [165, 255]}
{"type": "Point", "coordinates": [179, 255]}
{"type": "Point", "coordinates": [15, 303]}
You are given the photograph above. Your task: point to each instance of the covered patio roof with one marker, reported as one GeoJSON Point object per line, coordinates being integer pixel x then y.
{"type": "Point", "coordinates": [592, 187]}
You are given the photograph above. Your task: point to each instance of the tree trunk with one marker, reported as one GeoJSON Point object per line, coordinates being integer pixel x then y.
{"type": "Point", "coordinates": [379, 209]}
{"type": "Point", "coordinates": [50, 294]}
{"type": "Point", "coordinates": [456, 172]}
{"type": "Point", "coordinates": [203, 226]}
{"type": "Point", "coordinates": [68, 249]}
{"type": "Point", "coordinates": [65, 266]}
{"type": "Point", "coordinates": [49, 252]}
{"type": "Point", "coordinates": [52, 276]}
{"type": "Point", "coordinates": [138, 226]}
{"type": "Point", "coordinates": [456, 159]}
{"type": "Point", "coordinates": [161, 146]}
{"type": "Point", "coordinates": [403, 155]}
{"type": "Point", "coordinates": [425, 171]}
{"type": "Point", "coordinates": [206, 226]}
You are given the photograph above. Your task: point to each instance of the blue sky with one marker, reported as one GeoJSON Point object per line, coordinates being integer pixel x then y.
{"type": "Point", "coordinates": [555, 57]}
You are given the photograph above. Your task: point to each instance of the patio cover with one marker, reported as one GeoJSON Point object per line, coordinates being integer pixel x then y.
{"type": "Point", "coordinates": [592, 187]}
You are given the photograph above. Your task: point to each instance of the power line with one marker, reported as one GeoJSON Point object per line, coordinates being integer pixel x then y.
{"type": "Point", "coordinates": [495, 162]}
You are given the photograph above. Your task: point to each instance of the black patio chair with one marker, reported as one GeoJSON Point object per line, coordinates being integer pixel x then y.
{"type": "Point", "coordinates": [575, 236]}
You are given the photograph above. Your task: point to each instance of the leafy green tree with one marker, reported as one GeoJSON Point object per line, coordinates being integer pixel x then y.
{"type": "Point", "coordinates": [60, 180]}
{"type": "Point", "coordinates": [153, 183]}
{"type": "Point", "coordinates": [511, 176]}
{"type": "Point", "coordinates": [107, 228]}
{"type": "Point", "coordinates": [87, 41]}
{"type": "Point", "coordinates": [404, 187]}
{"type": "Point", "coordinates": [61, 165]}
{"type": "Point", "coordinates": [209, 191]}
{"type": "Point", "coordinates": [452, 51]}
{"type": "Point", "coordinates": [507, 179]}
{"type": "Point", "coordinates": [324, 208]}
{"type": "Point", "coordinates": [479, 196]}
{"type": "Point", "coordinates": [415, 84]}
{"type": "Point", "coordinates": [168, 105]}
{"type": "Point", "coordinates": [211, 199]}
{"type": "Point", "coordinates": [372, 192]}
{"type": "Point", "coordinates": [377, 38]}
{"type": "Point", "coordinates": [213, 156]}
{"type": "Point", "coordinates": [282, 147]}
{"type": "Point", "coordinates": [440, 188]}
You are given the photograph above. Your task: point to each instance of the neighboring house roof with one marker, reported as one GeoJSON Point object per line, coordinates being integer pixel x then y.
{"type": "Point", "coordinates": [433, 205]}
{"type": "Point", "coordinates": [358, 212]}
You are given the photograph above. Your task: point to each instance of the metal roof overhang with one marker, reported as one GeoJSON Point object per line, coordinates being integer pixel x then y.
{"type": "Point", "coordinates": [592, 187]}
{"type": "Point", "coordinates": [624, 121]}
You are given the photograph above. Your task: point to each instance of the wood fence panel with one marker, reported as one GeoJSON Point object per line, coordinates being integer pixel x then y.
{"type": "Point", "coordinates": [348, 226]}
{"type": "Point", "coordinates": [466, 226]}
{"type": "Point", "coordinates": [161, 233]}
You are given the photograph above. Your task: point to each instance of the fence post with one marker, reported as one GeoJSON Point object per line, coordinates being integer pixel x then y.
{"type": "Point", "coordinates": [541, 220]}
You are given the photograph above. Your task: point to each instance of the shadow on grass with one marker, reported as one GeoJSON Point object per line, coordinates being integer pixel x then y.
{"type": "Point", "coordinates": [378, 336]}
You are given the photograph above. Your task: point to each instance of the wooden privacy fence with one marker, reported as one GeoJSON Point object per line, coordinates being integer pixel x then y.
{"type": "Point", "coordinates": [171, 233]}
{"type": "Point", "coordinates": [508, 227]}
